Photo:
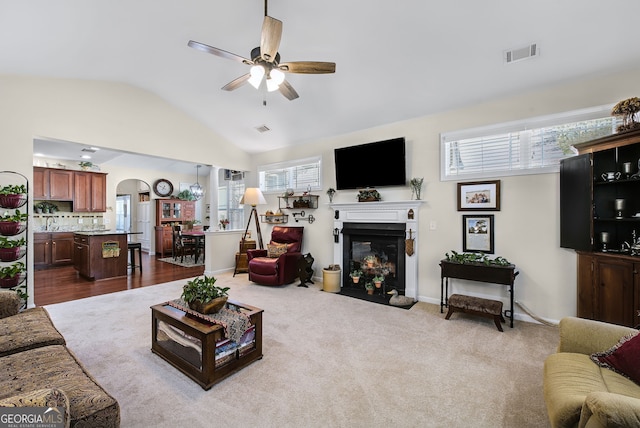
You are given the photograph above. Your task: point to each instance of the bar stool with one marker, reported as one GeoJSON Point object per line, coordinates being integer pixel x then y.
{"type": "Point", "coordinates": [132, 246]}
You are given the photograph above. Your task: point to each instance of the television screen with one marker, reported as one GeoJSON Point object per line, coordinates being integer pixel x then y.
{"type": "Point", "coordinates": [377, 164]}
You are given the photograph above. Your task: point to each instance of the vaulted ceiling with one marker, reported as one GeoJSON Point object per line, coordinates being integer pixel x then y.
{"type": "Point", "coordinates": [395, 60]}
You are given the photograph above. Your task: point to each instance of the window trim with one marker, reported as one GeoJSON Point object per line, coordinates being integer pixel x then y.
{"type": "Point", "coordinates": [515, 126]}
{"type": "Point", "coordinates": [290, 164]}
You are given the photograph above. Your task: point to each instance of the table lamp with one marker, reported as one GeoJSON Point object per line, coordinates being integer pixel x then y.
{"type": "Point", "coordinates": [253, 196]}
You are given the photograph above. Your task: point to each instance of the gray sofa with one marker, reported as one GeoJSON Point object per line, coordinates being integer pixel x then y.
{"type": "Point", "coordinates": [37, 367]}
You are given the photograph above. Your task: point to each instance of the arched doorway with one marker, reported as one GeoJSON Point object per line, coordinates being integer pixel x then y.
{"type": "Point", "coordinates": [133, 210]}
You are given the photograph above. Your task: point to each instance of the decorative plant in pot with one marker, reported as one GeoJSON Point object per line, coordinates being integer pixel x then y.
{"type": "Point", "coordinates": [11, 249]}
{"type": "Point", "coordinates": [355, 275]}
{"type": "Point", "coordinates": [45, 207]}
{"type": "Point", "coordinates": [85, 166]}
{"type": "Point", "coordinates": [330, 192]}
{"type": "Point", "coordinates": [203, 296]}
{"type": "Point", "coordinates": [377, 280]}
{"type": "Point", "coordinates": [12, 224]}
{"type": "Point", "coordinates": [370, 260]}
{"type": "Point", "coordinates": [11, 276]}
{"type": "Point", "coordinates": [13, 196]}
{"type": "Point", "coordinates": [369, 287]}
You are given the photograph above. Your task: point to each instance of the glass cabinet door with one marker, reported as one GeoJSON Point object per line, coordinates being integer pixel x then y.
{"type": "Point", "coordinates": [166, 210]}
{"type": "Point", "coordinates": [177, 207]}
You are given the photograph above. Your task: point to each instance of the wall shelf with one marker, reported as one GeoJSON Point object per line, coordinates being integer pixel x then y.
{"type": "Point", "coordinates": [292, 202]}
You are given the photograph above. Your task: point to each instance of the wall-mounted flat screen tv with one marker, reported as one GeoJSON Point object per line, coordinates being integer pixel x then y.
{"type": "Point", "coordinates": [377, 164]}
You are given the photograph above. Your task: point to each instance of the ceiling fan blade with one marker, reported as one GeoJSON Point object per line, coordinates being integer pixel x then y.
{"type": "Point", "coordinates": [236, 83]}
{"type": "Point", "coordinates": [219, 52]}
{"type": "Point", "coordinates": [308, 67]}
{"type": "Point", "coordinates": [270, 38]}
{"type": "Point", "coordinates": [287, 90]}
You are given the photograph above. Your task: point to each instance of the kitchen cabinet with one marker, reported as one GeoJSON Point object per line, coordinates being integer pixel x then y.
{"type": "Point", "coordinates": [600, 219]}
{"type": "Point", "coordinates": [90, 191]}
{"type": "Point", "coordinates": [53, 184]}
{"type": "Point", "coordinates": [100, 255]}
{"type": "Point", "coordinates": [52, 249]}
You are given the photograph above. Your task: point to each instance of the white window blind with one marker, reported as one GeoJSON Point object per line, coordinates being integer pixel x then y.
{"type": "Point", "coordinates": [534, 146]}
{"type": "Point", "coordinates": [299, 175]}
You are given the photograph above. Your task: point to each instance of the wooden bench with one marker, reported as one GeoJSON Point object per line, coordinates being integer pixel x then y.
{"type": "Point", "coordinates": [476, 306]}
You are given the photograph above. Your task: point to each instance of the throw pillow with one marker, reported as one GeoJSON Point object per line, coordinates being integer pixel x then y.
{"type": "Point", "coordinates": [622, 358]}
{"type": "Point", "coordinates": [276, 250]}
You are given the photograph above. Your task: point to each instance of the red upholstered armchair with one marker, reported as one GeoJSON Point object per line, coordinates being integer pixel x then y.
{"type": "Point", "coordinates": [278, 269]}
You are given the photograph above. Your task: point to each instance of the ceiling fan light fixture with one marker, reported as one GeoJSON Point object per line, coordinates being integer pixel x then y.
{"type": "Point", "coordinates": [277, 76]}
{"type": "Point", "coordinates": [272, 85]}
{"type": "Point", "coordinates": [257, 73]}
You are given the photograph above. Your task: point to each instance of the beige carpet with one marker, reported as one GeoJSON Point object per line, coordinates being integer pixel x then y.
{"type": "Point", "coordinates": [329, 361]}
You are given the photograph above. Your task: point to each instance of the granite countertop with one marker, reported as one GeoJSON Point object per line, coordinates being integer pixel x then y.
{"type": "Point", "coordinates": [70, 231]}
{"type": "Point", "coordinates": [100, 232]}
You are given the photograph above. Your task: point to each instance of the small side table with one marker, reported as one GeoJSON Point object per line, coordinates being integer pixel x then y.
{"type": "Point", "coordinates": [242, 264]}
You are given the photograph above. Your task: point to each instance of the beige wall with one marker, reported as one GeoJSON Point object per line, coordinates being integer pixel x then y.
{"type": "Point", "coordinates": [122, 117]}
{"type": "Point", "coordinates": [526, 227]}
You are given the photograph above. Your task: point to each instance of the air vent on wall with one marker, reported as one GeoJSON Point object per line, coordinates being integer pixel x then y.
{"type": "Point", "coordinates": [263, 128]}
{"type": "Point", "coordinates": [515, 55]}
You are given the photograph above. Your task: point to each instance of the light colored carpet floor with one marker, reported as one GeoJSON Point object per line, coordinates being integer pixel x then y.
{"type": "Point", "coordinates": [329, 361]}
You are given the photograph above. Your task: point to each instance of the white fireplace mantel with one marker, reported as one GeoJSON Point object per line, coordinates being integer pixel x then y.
{"type": "Point", "coordinates": [382, 212]}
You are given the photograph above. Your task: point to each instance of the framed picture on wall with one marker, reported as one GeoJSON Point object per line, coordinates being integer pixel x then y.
{"type": "Point", "coordinates": [477, 233]}
{"type": "Point", "coordinates": [479, 196]}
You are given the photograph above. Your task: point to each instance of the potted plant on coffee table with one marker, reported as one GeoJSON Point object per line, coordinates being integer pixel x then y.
{"type": "Point", "coordinates": [203, 296]}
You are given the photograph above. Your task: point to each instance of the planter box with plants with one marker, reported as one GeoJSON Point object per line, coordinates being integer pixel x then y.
{"type": "Point", "coordinates": [203, 296]}
{"type": "Point", "coordinates": [13, 196]}
{"type": "Point", "coordinates": [12, 275]}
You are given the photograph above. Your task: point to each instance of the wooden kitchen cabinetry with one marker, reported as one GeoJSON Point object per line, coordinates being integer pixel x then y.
{"type": "Point", "coordinates": [52, 249]}
{"type": "Point", "coordinates": [600, 219]}
{"type": "Point", "coordinates": [168, 213]}
{"type": "Point", "coordinates": [52, 184]}
{"type": "Point", "coordinates": [90, 192]}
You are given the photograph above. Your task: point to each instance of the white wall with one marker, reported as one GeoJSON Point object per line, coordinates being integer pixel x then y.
{"type": "Point", "coordinates": [526, 227]}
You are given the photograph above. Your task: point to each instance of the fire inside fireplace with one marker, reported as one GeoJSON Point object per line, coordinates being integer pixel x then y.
{"type": "Point", "coordinates": [377, 250]}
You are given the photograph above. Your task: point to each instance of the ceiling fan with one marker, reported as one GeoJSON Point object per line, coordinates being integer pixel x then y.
{"type": "Point", "coordinates": [265, 61]}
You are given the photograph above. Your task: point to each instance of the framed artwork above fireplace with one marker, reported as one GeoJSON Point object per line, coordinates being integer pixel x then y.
{"type": "Point", "coordinates": [477, 233]}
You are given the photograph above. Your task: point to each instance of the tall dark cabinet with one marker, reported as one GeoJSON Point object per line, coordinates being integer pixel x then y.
{"type": "Point", "coordinates": [600, 219]}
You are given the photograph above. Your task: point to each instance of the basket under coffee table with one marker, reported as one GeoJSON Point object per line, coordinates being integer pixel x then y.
{"type": "Point", "coordinates": [200, 349]}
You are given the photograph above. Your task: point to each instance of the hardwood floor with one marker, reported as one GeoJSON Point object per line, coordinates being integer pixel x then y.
{"type": "Point", "coordinates": [64, 284]}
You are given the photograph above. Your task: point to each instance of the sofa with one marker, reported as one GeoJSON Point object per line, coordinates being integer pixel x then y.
{"type": "Point", "coordinates": [37, 369]}
{"type": "Point", "coordinates": [580, 393]}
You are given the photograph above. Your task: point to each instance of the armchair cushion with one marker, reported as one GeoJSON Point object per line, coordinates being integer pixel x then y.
{"type": "Point", "coordinates": [622, 358]}
{"type": "Point", "coordinates": [276, 250]}
{"type": "Point", "coordinates": [604, 409]}
{"type": "Point", "coordinates": [9, 303]}
{"type": "Point", "coordinates": [29, 329]}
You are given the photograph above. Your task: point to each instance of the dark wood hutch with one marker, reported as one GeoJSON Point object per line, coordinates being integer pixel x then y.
{"type": "Point", "coordinates": [168, 213]}
{"type": "Point", "coordinates": [600, 219]}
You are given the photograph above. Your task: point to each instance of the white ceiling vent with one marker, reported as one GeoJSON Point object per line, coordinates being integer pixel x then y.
{"type": "Point", "coordinates": [262, 129]}
{"type": "Point", "coordinates": [515, 55]}
{"type": "Point", "coordinates": [89, 150]}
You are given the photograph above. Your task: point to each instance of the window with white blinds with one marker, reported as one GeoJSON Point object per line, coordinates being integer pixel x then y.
{"type": "Point", "coordinates": [534, 146]}
{"type": "Point", "coordinates": [300, 175]}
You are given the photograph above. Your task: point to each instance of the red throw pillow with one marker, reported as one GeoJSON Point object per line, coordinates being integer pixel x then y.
{"type": "Point", "coordinates": [623, 358]}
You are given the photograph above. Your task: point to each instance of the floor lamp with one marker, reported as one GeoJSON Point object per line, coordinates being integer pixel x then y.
{"type": "Point", "coordinates": [253, 196]}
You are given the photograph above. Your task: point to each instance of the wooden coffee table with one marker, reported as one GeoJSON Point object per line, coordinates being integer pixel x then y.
{"type": "Point", "coordinates": [190, 343]}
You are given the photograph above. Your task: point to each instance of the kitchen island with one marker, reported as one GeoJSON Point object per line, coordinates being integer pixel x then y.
{"type": "Point", "coordinates": [100, 254]}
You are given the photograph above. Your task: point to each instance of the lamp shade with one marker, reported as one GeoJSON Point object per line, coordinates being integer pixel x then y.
{"type": "Point", "coordinates": [253, 196]}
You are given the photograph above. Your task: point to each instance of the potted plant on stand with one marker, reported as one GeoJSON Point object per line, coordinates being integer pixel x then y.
{"type": "Point", "coordinates": [11, 276]}
{"type": "Point", "coordinates": [369, 287]}
{"type": "Point", "coordinates": [11, 249]}
{"type": "Point", "coordinates": [12, 224]}
{"type": "Point", "coordinates": [13, 196]}
{"type": "Point", "coordinates": [377, 280]}
{"type": "Point", "coordinates": [203, 296]}
{"type": "Point", "coordinates": [355, 275]}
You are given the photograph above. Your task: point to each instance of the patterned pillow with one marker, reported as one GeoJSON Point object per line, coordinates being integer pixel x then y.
{"type": "Point", "coordinates": [622, 358]}
{"type": "Point", "coordinates": [276, 250]}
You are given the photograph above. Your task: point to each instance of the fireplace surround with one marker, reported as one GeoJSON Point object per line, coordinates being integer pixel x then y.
{"type": "Point", "coordinates": [378, 226]}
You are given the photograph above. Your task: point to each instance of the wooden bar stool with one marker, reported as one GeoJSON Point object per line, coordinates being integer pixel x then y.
{"type": "Point", "coordinates": [132, 246]}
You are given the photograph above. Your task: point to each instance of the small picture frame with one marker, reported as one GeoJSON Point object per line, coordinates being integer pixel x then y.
{"type": "Point", "coordinates": [477, 233]}
{"type": "Point", "coordinates": [479, 196]}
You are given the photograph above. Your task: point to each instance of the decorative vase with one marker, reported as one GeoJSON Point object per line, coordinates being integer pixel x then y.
{"type": "Point", "coordinates": [10, 228]}
{"type": "Point", "coordinates": [11, 281]}
{"type": "Point", "coordinates": [13, 200]}
{"type": "Point", "coordinates": [12, 254]}
{"type": "Point", "coordinates": [210, 307]}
